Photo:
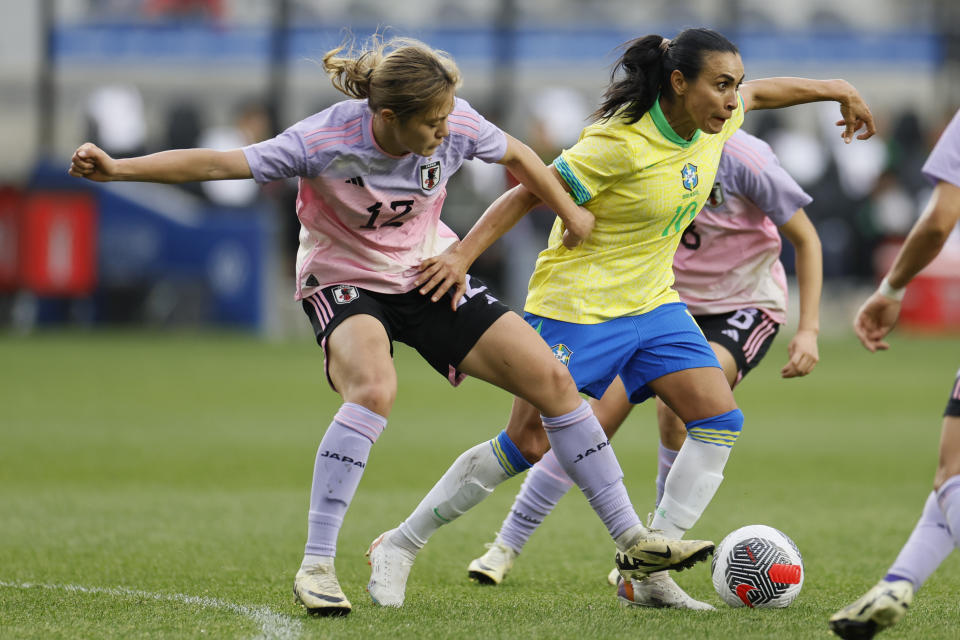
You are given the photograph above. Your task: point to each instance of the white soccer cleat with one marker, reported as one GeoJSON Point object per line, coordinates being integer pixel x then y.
{"type": "Point", "coordinates": [613, 578]}
{"type": "Point", "coordinates": [658, 591]}
{"type": "Point", "coordinates": [882, 606]}
{"type": "Point", "coordinates": [656, 552]}
{"type": "Point", "coordinates": [493, 566]}
{"type": "Point", "coordinates": [317, 589]}
{"type": "Point", "coordinates": [389, 568]}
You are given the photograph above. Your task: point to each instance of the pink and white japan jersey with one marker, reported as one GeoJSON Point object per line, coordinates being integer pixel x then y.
{"type": "Point", "coordinates": [368, 218]}
{"type": "Point", "coordinates": [729, 256]}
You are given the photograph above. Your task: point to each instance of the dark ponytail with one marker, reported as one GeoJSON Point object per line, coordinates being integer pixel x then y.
{"type": "Point", "coordinates": [646, 65]}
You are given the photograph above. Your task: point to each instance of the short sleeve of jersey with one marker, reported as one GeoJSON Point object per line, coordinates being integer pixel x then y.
{"type": "Point", "coordinates": [480, 138]}
{"type": "Point", "coordinates": [599, 159]}
{"type": "Point", "coordinates": [944, 161]}
{"type": "Point", "coordinates": [736, 120]}
{"type": "Point", "coordinates": [766, 183]}
{"type": "Point", "coordinates": [281, 157]}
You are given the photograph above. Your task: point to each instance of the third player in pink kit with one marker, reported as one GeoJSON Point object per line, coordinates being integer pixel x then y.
{"type": "Point", "coordinates": [729, 274]}
{"type": "Point", "coordinates": [937, 532]}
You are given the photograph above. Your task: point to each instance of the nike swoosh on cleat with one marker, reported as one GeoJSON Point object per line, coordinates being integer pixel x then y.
{"type": "Point", "coordinates": [324, 597]}
{"type": "Point", "coordinates": [660, 554]}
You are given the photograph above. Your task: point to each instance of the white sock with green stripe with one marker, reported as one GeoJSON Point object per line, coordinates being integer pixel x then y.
{"type": "Point", "coordinates": [697, 472]}
{"type": "Point", "coordinates": [470, 479]}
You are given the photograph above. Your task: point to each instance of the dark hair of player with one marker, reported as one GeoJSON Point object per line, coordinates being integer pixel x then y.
{"type": "Point", "coordinates": [646, 65]}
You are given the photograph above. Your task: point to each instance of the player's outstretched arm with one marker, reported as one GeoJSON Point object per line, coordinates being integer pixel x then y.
{"type": "Point", "coordinates": [448, 270]}
{"type": "Point", "coordinates": [439, 273]}
{"type": "Point", "coordinates": [547, 185]}
{"type": "Point", "coordinates": [179, 165]}
{"type": "Point", "coordinates": [803, 350]}
{"type": "Point", "coordinates": [878, 315]}
{"type": "Point", "coordinates": [773, 93]}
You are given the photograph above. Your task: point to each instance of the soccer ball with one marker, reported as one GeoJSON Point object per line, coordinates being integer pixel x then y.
{"type": "Point", "coordinates": [757, 566]}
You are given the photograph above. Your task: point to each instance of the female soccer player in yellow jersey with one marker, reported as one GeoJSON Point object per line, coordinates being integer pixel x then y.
{"type": "Point", "coordinates": [607, 308]}
{"type": "Point", "coordinates": [729, 274]}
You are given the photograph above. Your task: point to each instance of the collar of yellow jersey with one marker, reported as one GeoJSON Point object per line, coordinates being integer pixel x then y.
{"type": "Point", "coordinates": [666, 130]}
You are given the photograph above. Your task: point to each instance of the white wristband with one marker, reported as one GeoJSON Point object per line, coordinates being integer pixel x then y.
{"type": "Point", "coordinates": [889, 292]}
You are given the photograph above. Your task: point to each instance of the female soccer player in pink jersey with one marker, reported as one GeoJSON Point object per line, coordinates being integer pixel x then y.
{"type": "Point", "coordinates": [372, 176]}
{"type": "Point", "coordinates": [937, 533]}
{"type": "Point", "coordinates": [729, 274]}
{"type": "Point", "coordinates": [607, 308]}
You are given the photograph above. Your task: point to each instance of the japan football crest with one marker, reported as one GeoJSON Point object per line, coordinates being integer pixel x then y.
{"type": "Point", "coordinates": [430, 175]}
{"type": "Point", "coordinates": [716, 196]}
{"type": "Point", "coordinates": [344, 293]}
{"type": "Point", "coordinates": [689, 176]}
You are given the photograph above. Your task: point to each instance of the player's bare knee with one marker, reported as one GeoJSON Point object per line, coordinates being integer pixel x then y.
{"type": "Point", "coordinates": [532, 454]}
{"type": "Point", "coordinates": [526, 432]}
{"type": "Point", "coordinates": [558, 382]}
{"type": "Point", "coordinates": [946, 469]}
{"type": "Point", "coordinates": [533, 444]}
{"type": "Point", "coordinates": [551, 390]}
{"type": "Point", "coordinates": [670, 425]}
{"type": "Point", "coordinates": [376, 395]}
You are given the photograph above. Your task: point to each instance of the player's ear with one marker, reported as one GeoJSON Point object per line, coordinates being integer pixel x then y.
{"type": "Point", "coordinates": [678, 82]}
{"type": "Point", "coordinates": [389, 116]}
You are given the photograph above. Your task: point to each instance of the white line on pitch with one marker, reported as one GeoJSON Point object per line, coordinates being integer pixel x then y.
{"type": "Point", "coordinates": [272, 625]}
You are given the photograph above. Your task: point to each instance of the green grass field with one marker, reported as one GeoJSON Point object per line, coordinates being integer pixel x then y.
{"type": "Point", "coordinates": [157, 485]}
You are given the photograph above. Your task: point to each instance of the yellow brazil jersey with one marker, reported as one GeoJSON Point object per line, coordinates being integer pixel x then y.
{"type": "Point", "coordinates": [644, 184]}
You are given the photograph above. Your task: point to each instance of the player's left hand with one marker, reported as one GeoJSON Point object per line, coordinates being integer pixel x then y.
{"type": "Point", "coordinates": [804, 354]}
{"type": "Point", "coordinates": [856, 115]}
{"type": "Point", "coordinates": [441, 273]}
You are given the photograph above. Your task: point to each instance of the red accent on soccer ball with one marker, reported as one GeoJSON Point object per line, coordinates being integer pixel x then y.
{"type": "Point", "coordinates": [742, 591]}
{"type": "Point", "coordinates": [785, 573]}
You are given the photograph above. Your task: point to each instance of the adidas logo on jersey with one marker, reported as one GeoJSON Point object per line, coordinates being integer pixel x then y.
{"type": "Point", "coordinates": [358, 181]}
{"type": "Point", "coordinates": [733, 334]}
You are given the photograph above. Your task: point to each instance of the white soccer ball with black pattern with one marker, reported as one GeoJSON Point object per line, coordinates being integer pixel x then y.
{"type": "Point", "coordinates": [757, 566]}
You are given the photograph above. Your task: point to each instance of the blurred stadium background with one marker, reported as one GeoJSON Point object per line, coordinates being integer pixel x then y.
{"type": "Point", "coordinates": [143, 75]}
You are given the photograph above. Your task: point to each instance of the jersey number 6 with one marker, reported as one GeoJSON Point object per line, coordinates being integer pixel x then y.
{"type": "Point", "coordinates": [690, 238]}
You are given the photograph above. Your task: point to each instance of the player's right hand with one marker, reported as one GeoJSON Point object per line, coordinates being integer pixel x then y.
{"type": "Point", "coordinates": [442, 273]}
{"type": "Point", "coordinates": [576, 229]}
{"type": "Point", "coordinates": [875, 319]}
{"type": "Point", "coordinates": [93, 163]}
{"type": "Point", "coordinates": [856, 115]}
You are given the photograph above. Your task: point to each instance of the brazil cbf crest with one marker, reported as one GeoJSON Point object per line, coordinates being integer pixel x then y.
{"type": "Point", "coordinates": [430, 175]}
{"type": "Point", "coordinates": [689, 176]}
{"type": "Point", "coordinates": [562, 353]}
{"type": "Point", "coordinates": [344, 293]}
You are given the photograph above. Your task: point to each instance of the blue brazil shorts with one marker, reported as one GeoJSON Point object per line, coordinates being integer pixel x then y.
{"type": "Point", "coordinates": [636, 348]}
